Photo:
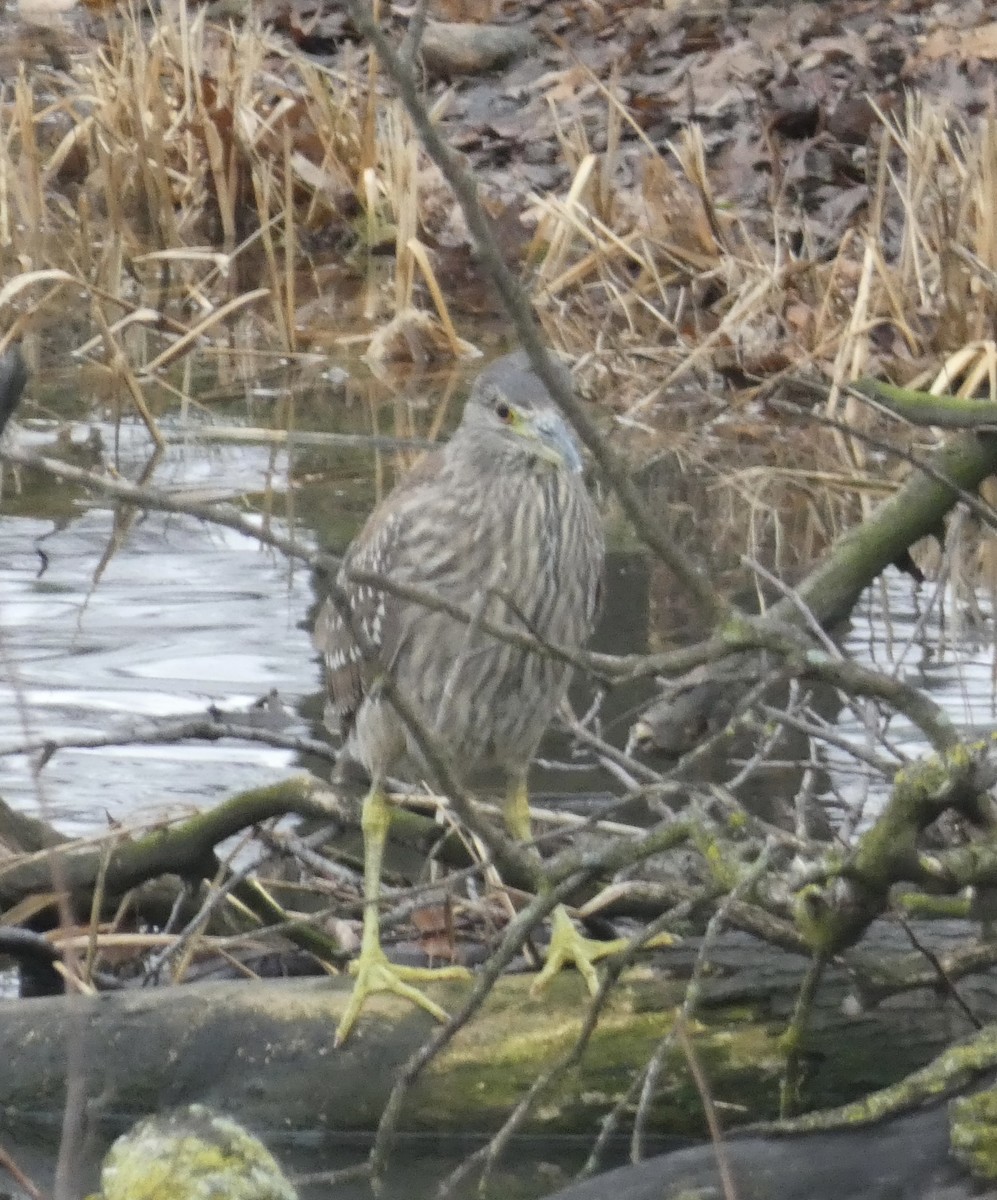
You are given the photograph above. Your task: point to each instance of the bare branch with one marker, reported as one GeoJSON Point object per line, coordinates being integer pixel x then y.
{"type": "Point", "coordinates": [152, 498]}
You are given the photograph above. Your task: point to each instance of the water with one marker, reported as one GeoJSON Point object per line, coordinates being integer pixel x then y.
{"type": "Point", "coordinates": [924, 636]}
{"type": "Point", "coordinates": [106, 623]}
{"type": "Point", "coordinates": [184, 615]}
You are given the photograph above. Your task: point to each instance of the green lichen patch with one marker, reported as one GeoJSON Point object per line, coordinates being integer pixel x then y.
{"type": "Point", "coordinates": [934, 908]}
{"type": "Point", "coordinates": [493, 1063]}
{"type": "Point", "coordinates": [954, 1068]}
{"type": "Point", "coordinates": [973, 1133]}
{"type": "Point", "coordinates": [191, 1154]}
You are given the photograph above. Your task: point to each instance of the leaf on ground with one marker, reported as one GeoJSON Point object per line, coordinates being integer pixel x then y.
{"type": "Point", "coordinates": [962, 44]}
{"type": "Point", "coordinates": [415, 337]}
{"type": "Point", "coordinates": [435, 926]}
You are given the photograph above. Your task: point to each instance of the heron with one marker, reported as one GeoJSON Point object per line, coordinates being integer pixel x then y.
{"type": "Point", "coordinates": [498, 521]}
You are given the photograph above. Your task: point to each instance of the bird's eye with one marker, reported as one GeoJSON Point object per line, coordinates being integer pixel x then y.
{"type": "Point", "coordinates": [503, 412]}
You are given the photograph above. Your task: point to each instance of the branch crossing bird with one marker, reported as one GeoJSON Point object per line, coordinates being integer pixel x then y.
{"type": "Point", "coordinates": [499, 522]}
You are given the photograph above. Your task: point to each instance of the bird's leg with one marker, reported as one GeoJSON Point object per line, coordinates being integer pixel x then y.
{"type": "Point", "coordinates": [567, 945]}
{"type": "Point", "coordinates": [517, 811]}
{"type": "Point", "coordinates": [373, 970]}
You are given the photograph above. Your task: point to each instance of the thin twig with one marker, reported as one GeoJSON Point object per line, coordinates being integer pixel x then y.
{"type": "Point", "coordinates": [789, 1089]}
{"type": "Point", "coordinates": [408, 51]}
{"type": "Point", "coordinates": [151, 732]}
{"type": "Point", "coordinates": [693, 994]}
{"type": "Point", "coordinates": [18, 1176]}
{"type": "Point", "coordinates": [152, 498]}
{"type": "Point", "coordinates": [709, 1109]}
{"type": "Point", "coordinates": [516, 934]}
{"type": "Point", "coordinates": [488, 1155]}
{"type": "Point", "coordinates": [945, 981]}
{"type": "Point", "coordinates": [977, 506]}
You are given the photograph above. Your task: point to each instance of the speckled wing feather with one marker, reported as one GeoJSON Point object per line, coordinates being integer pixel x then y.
{"type": "Point", "coordinates": [353, 633]}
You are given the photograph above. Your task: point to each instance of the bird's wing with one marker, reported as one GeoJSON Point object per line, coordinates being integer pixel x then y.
{"type": "Point", "coordinates": [352, 630]}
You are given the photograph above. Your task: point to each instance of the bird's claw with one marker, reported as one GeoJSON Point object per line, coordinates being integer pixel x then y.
{"type": "Point", "coordinates": [375, 973]}
{"type": "Point", "coordinates": [568, 947]}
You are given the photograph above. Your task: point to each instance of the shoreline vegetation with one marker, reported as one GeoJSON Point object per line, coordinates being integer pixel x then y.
{"type": "Point", "coordinates": [779, 310]}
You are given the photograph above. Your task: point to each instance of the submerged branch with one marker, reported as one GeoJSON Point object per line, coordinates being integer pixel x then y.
{"type": "Point", "coordinates": [125, 492]}
{"type": "Point", "coordinates": [208, 728]}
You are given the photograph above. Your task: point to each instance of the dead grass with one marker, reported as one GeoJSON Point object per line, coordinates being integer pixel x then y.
{"type": "Point", "coordinates": [667, 286]}
{"type": "Point", "coordinates": [172, 192]}
{"type": "Point", "coordinates": [173, 186]}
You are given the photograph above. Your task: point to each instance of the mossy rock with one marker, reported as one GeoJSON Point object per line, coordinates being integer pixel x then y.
{"type": "Point", "coordinates": [191, 1154]}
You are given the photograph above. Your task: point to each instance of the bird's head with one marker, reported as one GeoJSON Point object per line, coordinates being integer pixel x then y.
{"type": "Point", "coordinates": [510, 411]}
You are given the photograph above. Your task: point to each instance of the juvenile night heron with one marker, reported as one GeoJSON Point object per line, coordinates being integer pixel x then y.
{"type": "Point", "coordinates": [498, 521]}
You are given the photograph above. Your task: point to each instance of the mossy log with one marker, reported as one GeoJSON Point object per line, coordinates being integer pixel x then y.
{"type": "Point", "coordinates": [186, 849]}
{"type": "Point", "coordinates": [916, 510]}
{"type": "Point", "coordinates": [263, 1051]}
{"type": "Point", "coordinates": [925, 408]}
{"type": "Point", "coordinates": [54, 866]}
{"type": "Point", "coordinates": [933, 1134]}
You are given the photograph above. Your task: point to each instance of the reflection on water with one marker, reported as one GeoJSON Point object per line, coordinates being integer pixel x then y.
{"type": "Point", "coordinates": [931, 642]}
{"type": "Point", "coordinates": [533, 1167]}
{"type": "Point", "coordinates": [920, 634]}
{"type": "Point", "coordinates": [184, 615]}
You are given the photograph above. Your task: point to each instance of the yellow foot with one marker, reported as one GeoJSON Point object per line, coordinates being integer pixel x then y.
{"type": "Point", "coordinates": [376, 974]}
{"type": "Point", "coordinates": [568, 946]}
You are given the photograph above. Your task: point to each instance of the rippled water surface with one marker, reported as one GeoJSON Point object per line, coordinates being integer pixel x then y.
{"type": "Point", "coordinates": [183, 615]}
{"type": "Point", "coordinates": [927, 638]}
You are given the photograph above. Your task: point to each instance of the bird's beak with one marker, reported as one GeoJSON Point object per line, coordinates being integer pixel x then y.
{"type": "Point", "coordinates": [556, 441]}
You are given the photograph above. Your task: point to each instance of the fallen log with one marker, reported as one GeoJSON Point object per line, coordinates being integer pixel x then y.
{"type": "Point", "coordinates": [908, 1157]}
{"type": "Point", "coordinates": [263, 1053]}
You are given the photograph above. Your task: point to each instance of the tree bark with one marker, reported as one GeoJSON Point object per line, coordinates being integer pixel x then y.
{"type": "Point", "coordinates": [263, 1053]}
